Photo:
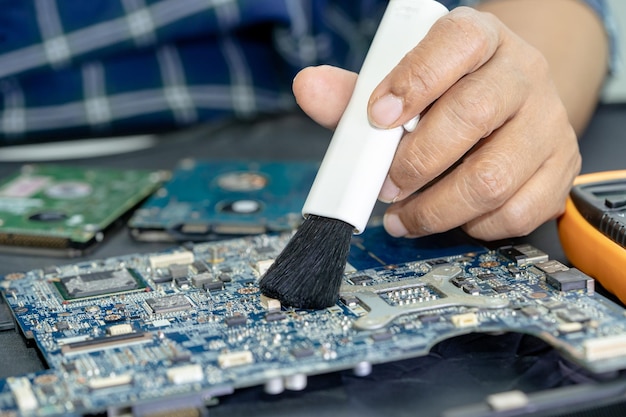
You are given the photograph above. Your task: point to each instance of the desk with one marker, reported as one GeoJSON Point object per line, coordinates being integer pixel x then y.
{"type": "Point", "coordinates": [456, 373]}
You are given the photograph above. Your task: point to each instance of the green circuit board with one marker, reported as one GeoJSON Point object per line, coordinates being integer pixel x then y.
{"type": "Point", "coordinates": [67, 209]}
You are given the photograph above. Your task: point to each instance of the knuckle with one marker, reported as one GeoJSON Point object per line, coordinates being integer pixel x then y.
{"type": "Point", "coordinates": [426, 221]}
{"type": "Point", "coordinates": [413, 223]}
{"type": "Point", "coordinates": [476, 28]}
{"type": "Point", "coordinates": [505, 222]}
{"type": "Point", "coordinates": [517, 221]}
{"type": "Point", "coordinates": [474, 115]}
{"type": "Point", "coordinates": [412, 167]}
{"type": "Point", "coordinates": [473, 37]}
{"type": "Point", "coordinates": [575, 163]}
{"type": "Point", "coordinates": [522, 219]}
{"type": "Point", "coordinates": [432, 218]}
{"type": "Point", "coordinates": [422, 219]}
{"type": "Point", "coordinates": [415, 164]}
{"type": "Point", "coordinates": [487, 187]}
{"type": "Point", "coordinates": [415, 77]}
{"type": "Point", "coordinates": [534, 62]}
{"type": "Point", "coordinates": [537, 61]}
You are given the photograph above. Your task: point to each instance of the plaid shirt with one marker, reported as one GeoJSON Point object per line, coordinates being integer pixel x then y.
{"type": "Point", "coordinates": [103, 67]}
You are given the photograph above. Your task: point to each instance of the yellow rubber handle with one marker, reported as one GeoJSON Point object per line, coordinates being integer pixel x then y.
{"type": "Point", "coordinates": [587, 248]}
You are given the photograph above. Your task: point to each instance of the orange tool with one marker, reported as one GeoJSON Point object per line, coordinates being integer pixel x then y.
{"type": "Point", "coordinates": [593, 228]}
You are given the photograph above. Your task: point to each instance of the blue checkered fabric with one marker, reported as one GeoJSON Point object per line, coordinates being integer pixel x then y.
{"type": "Point", "coordinates": [82, 68]}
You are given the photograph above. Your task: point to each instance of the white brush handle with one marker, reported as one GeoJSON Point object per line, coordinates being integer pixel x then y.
{"type": "Point", "coordinates": [359, 155]}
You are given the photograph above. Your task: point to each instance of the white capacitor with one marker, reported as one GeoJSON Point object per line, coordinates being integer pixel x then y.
{"type": "Point", "coordinates": [359, 155]}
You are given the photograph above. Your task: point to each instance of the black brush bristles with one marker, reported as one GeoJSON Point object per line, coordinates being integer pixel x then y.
{"type": "Point", "coordinates": [308, 272]}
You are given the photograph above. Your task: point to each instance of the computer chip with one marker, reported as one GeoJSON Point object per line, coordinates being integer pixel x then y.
{"type": "Point", "coordinates": [169, 304]}
{"type": "Point", "coordinates": [99, 283]}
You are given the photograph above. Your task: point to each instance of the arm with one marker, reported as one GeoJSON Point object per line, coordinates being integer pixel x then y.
{"type": "Point", "coordinates": [549, 26]}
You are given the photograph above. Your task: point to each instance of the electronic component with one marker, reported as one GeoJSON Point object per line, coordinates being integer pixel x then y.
{"type": "Point", "coordinates": [275, 316]}
{"type": "Point", "coordinates": [523, 254]}
{"type": "Point", "coordinates": [98, 283]}
{"type": "Point", "coordinates": [171, 258]}
{"type": "Point", "coordinates": [107, 342]}
{"type": "Point", "coordinates": [570, 280]}
{"type": "Point", "coordinates": [270, 304]}
{"type": "Point", "coordinates": [169, 304]}
{"type": "Point", "coordinates": [185, 374]}
{"type": "Point", "coordinates": [110, 381]}
{"type": "Point", "coordinates": [119, 329]}
{"type": "Point", "coordinates": [236, 320]}
{"type": "Point", "coordinates": [211, 199]}
{"type": "Point", "coordinates": [23, 394]}
{"type": "Point", "coordinates": [465, 320]}
{"type": "Point", "coordinates": [67, 210]}
{"type": "Point", "coordinates": [361, 280]}
{"type": "Point", "coordinates": [604, 347]}
{"type": "Point", "coordinates": [116, 329]}
{"type": "Point", "coordinates": [230, 359]}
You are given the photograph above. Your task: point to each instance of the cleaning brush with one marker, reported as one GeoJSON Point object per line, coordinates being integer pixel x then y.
{"type": "Point", "coordinates": [308, 272]}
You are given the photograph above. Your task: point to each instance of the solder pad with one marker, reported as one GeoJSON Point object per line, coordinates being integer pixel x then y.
{"type": "Point", "coordinates": [212, 199]}
{"type": "Point", "coordinates": [67, 209]}
{"type": "Point", "coordinates": [179, 340]}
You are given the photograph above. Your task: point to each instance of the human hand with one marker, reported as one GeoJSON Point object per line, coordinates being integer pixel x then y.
{"type": "Point", "coordinates": [494, 151]}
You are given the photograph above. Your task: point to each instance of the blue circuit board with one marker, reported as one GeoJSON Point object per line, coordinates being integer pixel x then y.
{"type": "Point", "coordinates": [207, 200]}
{"type": "Point", "coordinates": [171, 330]}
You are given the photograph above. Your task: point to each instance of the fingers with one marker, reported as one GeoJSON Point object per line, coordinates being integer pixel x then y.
{"type": "Point", "coordinates": [494, 151]}
{"type": "Point", "coordinates": [456, 65]}
{"type": "Point", "coordinates": [540, 199]}
{"type": "Point", "coordinates": [456, 45]}
{"type": "Point", "coordinates": [323, 93]}
{"type": "Point", "coordinates": [470, 110]}
{"type": "Point", "coordinates": [507, 186]}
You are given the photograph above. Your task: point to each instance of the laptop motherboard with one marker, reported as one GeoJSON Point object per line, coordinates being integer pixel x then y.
{"type": "Point", "coordinates": [176, 330]}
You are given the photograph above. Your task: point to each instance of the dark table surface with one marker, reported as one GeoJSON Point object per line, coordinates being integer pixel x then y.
{"type": "Point", "coordinates": [457, 372]}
